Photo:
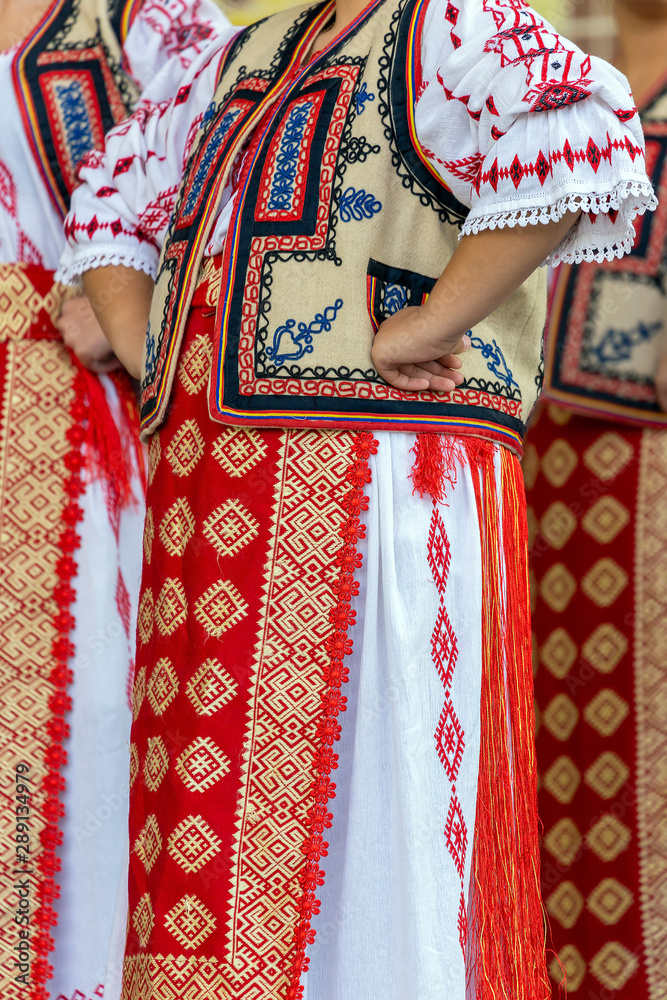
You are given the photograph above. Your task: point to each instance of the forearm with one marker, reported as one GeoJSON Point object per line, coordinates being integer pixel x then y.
{"type": "Point", "coordinates": [121, 300]}
{"type": "Point", "coordinates": [487, 268]}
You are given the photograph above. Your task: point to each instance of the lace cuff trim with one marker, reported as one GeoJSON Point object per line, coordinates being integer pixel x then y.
{"type": "Point", "coordinates": [596, 243]}
{"type": "Point", "coordinates": [69, 273]}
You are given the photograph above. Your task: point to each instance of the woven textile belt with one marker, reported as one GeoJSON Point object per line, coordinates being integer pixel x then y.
{"type": "Point", "coordinates": [30, 303]}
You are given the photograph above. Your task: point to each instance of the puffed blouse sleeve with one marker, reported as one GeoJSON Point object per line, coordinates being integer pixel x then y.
{"type": "Point", "coordinates": [523, 126]}
{"type": "Point", "coordinates": [120, 213]}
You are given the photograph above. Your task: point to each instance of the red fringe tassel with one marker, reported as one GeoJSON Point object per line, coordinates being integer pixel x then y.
{"type": "Point", "coordinates": [506, 944]}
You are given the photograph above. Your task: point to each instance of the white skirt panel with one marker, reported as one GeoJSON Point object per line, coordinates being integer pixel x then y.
{"type": "Point", "coordinates": [388, 925]}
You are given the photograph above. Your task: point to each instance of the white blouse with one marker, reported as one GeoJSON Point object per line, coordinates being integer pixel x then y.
{"type": "Point", "coordinates": [166, 37]}
{"type": "Point", "coordinates": [519, 123]}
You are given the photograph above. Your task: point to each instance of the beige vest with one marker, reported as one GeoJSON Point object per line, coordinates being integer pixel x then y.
{"type": "Point", "coordinates": [339, 221]}
{"type": "Point", "coordinates": [71, 86]}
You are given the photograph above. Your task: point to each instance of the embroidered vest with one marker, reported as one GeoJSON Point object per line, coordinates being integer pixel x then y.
{"type": "Point", "coordinates": [608, 322]}
{"type": "Point", "coordinates": [71, 86]}
{"type": "Point", "coordinates": [339, 221]}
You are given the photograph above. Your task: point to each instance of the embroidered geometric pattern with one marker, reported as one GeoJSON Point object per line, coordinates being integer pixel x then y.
{"type": "Point", "coordinates": [190, 922]}
{"type": "Point", "coordinates": [202, 764]}
{"type": "Point", "coordinates": [177, 527]}
{"type": "Point", "coordinates": [230, 528]}
{"type": "Point", "coordinates": [210, 688]}
{"type": "Point", "coordinates": [449, 736]}
{"type": "Point", "coordinates": [193, 843]}
{"type": "Point", "coordinates": [156, 763]}
{"type": "Point", "coordinates": [162, 687]}
{"type": "Point", "coordinates": [221, 607]}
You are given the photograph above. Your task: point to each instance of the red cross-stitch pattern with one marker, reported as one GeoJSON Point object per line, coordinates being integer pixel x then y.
{"type": "Point", "coordinates": [449, 736]}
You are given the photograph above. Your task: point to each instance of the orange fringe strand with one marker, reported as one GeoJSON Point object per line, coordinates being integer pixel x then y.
{"type": "Point", "coordinates": [506, 945]}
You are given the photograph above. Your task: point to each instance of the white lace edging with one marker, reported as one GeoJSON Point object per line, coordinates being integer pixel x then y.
{"type": "Point", "coordinates": [633, 197]}
{"type": "Point", "coordinates": [67, 274]}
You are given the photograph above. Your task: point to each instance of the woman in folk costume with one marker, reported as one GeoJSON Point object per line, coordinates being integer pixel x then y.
{"type": "Point", "coordinates": [332, 776]}
{"type": "Point", "coordinates": [71, 497]}
{"type": "Point", "coordinates": [596, 469]}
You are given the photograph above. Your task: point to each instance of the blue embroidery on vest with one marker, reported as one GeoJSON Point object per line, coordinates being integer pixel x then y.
{"type": "Point", "coordinates": [394, 298]}
{"type": "Point", "coordinates": [287, 160]}
{"type": "Point", "coordinates": [211, 151]}
{"type": "Point", "coordinates": [78, 130]}
{"type": "Point", "coordinates": [299, 344]}
{"type": "Point", "coordinates": [497, 364]}
{"type": "Point", "coordinates": [151, 353]}
{"type": "Point", "coordinates": [618, 345]}
{"type": "Point", "coordinates": [361, 97]}
{"type": "Point", "coordinates": [358, 205]}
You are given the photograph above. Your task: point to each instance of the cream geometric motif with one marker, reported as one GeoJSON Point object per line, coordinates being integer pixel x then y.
{"type": "Point", "coordinates": [190, 922]}
{"type": "Point", "coordinates": [239, 451]}
{"type": "Point", "coordinates": [171, 608]}
{"type": "Point", "coordinates": [558, 524]}
{"type": "Point", "coordinates": [211, 688]}
{"type": "Point", "coordinates": [138, 692]}
{"type": "Point", "coordinates": [606, 711]}
{"type": "Point", "coordinates": [563, 841]}
{"type": "Point", "coordinates": [195, 365]}
{"type": "Point", "coordinates": [604, 582]}
{"type": "Point", "coordinates": [562, 779]}
{"type": "Point", "coordinates": [145, 620]}
{"type": "Point", "coordinates": [560, 416]}
{"type": "Point", "coordinates": [134, 763]}
{"type": "Point", "coordinates": [230, 528]}
{"type": "Point", "coordinates": [149, 535]}
{"type": "Point", "coordinates": [21, 303]}
{"type": "Point", "coordinates": [149, 843]}
{"type": "Point", "coordinates": [221, 607]}
{"type": "Point", "coordinates": [530, 465]}
{"type": "Point", "coordinates": [156, 763]}
{"type": "Point", "coordinates": [143, 919]}
{"type": "Point", "coordinates": [574, 964]}
{"type": "Point", "coordinates": [559, 462]}
{"type": "Point", "coordinates": [565, 904]}
{"type": "Point", "coordinates": [193, 843]}
{"type": "Point", "coordinates": [558, 587]}
{"type": "Point", "coordinates": [609, 901]}
{"type": "Point", "coordinates": [607, 775]}
{"type": "Point", "coordinates": [186, 448]}
{"type": "Point", "coordinates": [608, 837]}
{"type": "Point", "coordinates": [177, 527]}
{"type": "Point", "coordinates": [154, 456]}
{"type": "Point", "coordinates": [605, 648]}
{"type": "Point", "coordinates": [162, 687]}
{"type": "Point", "coordinates": [608, 456]}
{"type": "Point", "coordinates": [559, 653]}
{"type": "Point", "coordinates": [605, 519]}
{"type": "Point", "coordinates": [561, 716]}
{"type": "Point", "coordinates": [614, 965]}
{"type": "Point", "coordinates": [202, 764]}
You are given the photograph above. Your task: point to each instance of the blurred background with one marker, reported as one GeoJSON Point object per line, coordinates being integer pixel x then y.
{"type": "Point", "coordinates": [587, 22]}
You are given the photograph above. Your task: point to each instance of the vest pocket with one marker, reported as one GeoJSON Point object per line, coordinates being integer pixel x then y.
{"type": "Point", "coordinates": [390, 289]}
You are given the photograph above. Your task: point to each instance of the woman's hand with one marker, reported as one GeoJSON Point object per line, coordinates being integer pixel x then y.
{"type": "Point", "coordinates": [82, 333]}
{"type": "Point", "coordinates": [411, 352]}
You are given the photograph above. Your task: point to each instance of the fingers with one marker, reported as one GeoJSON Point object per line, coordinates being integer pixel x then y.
{"type": "Point", "coordinates": [429, 376]}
